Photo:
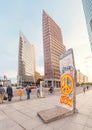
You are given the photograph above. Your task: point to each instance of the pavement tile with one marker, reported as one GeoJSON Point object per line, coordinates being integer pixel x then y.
{"type": "Point", "coordinates": [84, 111]}
{"type": "Point", "coordinates": [79, 119]}
{"type": "Point", "coordinates": [87, 128]}
{"type": "Point", "coordinates": [6, 123]}
{"type": "Point", "coordinates": [91, 112]}
{"type": "Point", "coordinates": [71, 126]}
{"type": "Point", "coordinates": [16, 127]}
{"type": "Point", "coordinates": [89, 123]}
{"type": "Point", "coordinates": [43, 127]}
{"type": "Point", "coordinates": [32, 114]}
{"type": "Point", "coordinates": [2, 116]}
{"type": "Point", "coordinates": [36, 118]}
{"type": "Point", "coordinates": [58, 123]}
{"type": "Point", "coordinates": [90, 116]}
{"type": "Point", "coordinates": [30, 124]}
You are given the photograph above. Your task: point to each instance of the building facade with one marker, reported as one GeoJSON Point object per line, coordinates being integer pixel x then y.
{"type": "Point", "coordinates": [81, 78]}
{"type": "Point", "coordinates": [26, 61]}
{"type": "Point", "coordinates": [87, 6]}
{"type": "Point", "coordinates": [5, 83]}
{"type": "Point", "coordinates": [38, 76]}
{"type": "Point", "coordinates": [53, 47]}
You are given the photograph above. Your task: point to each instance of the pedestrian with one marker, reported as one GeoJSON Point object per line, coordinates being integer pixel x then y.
{"type": "Point", "coordinates": [87, 87]}
{"type": "Point", "coordinates": [9, 92]}
{"type": "Point", "coordinates": [20, 92]}
{"type": "Point", "coordinates": [84, 89]}
{"type": "Point", "coordinates": [2, 93]}
{"type": "Point", "coordinates": [51, 89]}
{"type": "Point", "coordinates": [28, 91]}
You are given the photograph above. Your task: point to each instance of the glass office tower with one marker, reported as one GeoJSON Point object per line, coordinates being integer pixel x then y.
{"type": "Point", "coordinates": [87, 6]}
{"type": "Point", "coordinates": [26, 61]}
{"type": "Point", "coordinates": [53, 47]}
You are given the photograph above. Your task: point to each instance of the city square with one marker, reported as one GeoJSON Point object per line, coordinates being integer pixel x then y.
{"type": "Point", "coordinates": [22, 115]}
{"type": "Point", "coordinates": [46, 65]}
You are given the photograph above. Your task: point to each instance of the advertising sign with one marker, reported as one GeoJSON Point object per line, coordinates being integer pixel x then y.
{"type": "Point", "coordinates": [67, 79]}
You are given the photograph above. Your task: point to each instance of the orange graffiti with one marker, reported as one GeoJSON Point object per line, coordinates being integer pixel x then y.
{"type": "Point", "coordinates": [66, 100]}
{"type": "Point", "coordinates": [67, 84]}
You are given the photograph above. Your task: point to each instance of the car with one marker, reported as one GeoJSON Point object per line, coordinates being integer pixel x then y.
{"type": "Point", "coordinates": [78, 85]}
{"type": "Point", "coordinates": [32, 87]}
{"type": "Point", "coordinates": [18, 87]}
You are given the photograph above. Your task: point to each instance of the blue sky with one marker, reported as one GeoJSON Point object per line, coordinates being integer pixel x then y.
{"type": "Point", "coordinates": [26, 16]}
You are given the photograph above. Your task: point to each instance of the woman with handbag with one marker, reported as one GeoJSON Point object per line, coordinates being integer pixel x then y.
{"type": "Point", "coordinates": [2, 92]}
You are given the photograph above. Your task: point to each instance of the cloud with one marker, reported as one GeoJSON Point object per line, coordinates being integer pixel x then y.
{"type": "Point", "coordinates": [28, 19]}
{"type": "Point", "coordinates": [79, 41]}
{"type": "Point", "coordinates": [88, 57]}
{"type": "Point", "coordinates": [40, 69]}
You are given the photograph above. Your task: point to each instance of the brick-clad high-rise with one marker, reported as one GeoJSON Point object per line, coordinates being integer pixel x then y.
{"type": "Point", "coordinates": [53, 47]}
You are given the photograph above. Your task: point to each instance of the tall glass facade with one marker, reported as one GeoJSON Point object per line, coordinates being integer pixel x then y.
{"type": "Point", "coordinates": [26, 61]}
{"type": "Point", "coordinates": [87, 6]}
{"type": "Point", "coordinates": [53, 47]}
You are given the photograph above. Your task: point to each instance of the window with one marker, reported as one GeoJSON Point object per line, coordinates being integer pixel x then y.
{"type": "Point", "coordinates": [91, 24]}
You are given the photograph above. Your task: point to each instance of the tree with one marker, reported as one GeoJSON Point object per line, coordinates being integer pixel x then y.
{"type": "Point", "coordinates": [38, 81]}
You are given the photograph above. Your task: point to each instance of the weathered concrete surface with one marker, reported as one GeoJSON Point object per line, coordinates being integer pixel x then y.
{"type": "Point", "coordinates": [53, 114]}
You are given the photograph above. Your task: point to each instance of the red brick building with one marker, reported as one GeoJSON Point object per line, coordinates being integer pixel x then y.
{"type": "Point", "coordinates": [53, 47]}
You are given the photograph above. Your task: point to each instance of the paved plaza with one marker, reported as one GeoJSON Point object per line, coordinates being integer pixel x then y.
{"type": "Point", "coordinates": [22, 115]}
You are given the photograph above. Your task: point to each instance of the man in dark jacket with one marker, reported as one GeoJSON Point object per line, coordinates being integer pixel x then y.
{"type": "Point", "coordinates": [28, 91]}
{"type": "Point", "coordinates": [9, 92]}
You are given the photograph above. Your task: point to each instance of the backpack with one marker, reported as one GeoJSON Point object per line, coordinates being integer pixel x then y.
{"type": "Point", "coordinates": [2, 90]}
{"type": "Point", "coordinates": [5, 98]}
{"type": "Point", "coordinates": [30, 90]}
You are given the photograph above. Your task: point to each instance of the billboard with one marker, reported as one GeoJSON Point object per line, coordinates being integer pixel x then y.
{"type": "Point", "coordinates": [67, 79]}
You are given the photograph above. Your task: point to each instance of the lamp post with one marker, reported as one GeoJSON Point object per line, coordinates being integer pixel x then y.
{"type": "Point", "coordinates": [19, 80]}
{"type": "Point", "coordinates": [54, 77]}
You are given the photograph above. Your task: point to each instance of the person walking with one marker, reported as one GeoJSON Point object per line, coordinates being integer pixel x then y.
{"type": "Point", "coordinates": [2, 93]}
{"type": "Point", "coordinates": [51, 89]}
{"type": "Point", "coordinates": [87, 87]}
{"type": "Point", "coordinates": [9, 92]}
{"type": "Point", "coordinates": [28, 91]}
{"type": "Point", "coordinates": [84, 89]}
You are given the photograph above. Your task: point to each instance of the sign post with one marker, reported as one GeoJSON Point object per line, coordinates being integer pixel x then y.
{"type": "Point", "coordinates": [68, 80]}
{"type": "Point", "coordinates": [41, 89]}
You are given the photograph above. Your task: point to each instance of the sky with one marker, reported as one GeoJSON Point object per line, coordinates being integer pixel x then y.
{"type": "Point", "coordinates": [26, 16]}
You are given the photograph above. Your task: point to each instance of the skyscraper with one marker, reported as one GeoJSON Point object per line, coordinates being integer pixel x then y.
{"type": "Point", "coordinates": [26, 61]}
{"type": "Point", "coordinates": [87, 6]}
{"type": "Point", "coordinates": [53, 47]}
